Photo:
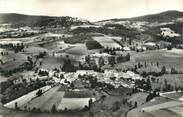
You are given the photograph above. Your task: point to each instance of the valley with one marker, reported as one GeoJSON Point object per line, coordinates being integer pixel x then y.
{"type": "Point", "coordinates": [66, 66]}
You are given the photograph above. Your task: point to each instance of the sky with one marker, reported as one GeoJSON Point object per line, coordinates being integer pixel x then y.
{"type": "Point", "coordinates": [93, 10]}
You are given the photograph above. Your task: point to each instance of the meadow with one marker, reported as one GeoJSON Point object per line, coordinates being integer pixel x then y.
{"type": "Point", "coordinates": [107, 42]}
{"type": "Point", "coordinates": [168, 58]}
{"type": "Point", "coordinates": [25, 98]}
{"type": "Point", "coordinates": [43, 102]}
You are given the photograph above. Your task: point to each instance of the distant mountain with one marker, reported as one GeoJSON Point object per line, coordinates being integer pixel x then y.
{"type": "Point", "coordinates": [136, 28]}
{"type": "Point", "coordinates": [20, 19]}
{"type": "Point", "coordinates": [166, 16]}
{"type": "Point", "coordinates": [160, 17]}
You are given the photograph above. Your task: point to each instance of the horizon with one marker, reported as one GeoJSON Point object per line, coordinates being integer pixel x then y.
{"type": "Point", "coordinates": [92, 10]}
{"type": "Point", "coordinates": [89, 20]}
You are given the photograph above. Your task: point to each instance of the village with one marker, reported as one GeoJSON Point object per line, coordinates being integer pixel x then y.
{"type": "Point", "coordinates": [46, 70]}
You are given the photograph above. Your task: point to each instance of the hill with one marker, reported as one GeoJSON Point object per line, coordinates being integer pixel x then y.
{"type": "Point", "coordinates": [166, 16]}
{"type": "Point", "coordinates": [20, 19]}
{"type": "Point", "coordinates": [160, 17]}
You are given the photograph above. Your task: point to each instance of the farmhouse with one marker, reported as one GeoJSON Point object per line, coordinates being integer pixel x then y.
{"type": "Point", "coordinates": [167, 32]}
{"type": "Point", "coordinates": [126, 48]}
{"type": "Point", "coordinates": [85, 72]}
{"type": "Point", "coordinates": [163, 44]}
{"type": "Point", "coordinates": [150, 45]}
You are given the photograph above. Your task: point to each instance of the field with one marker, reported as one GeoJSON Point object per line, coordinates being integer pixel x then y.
{"type": "Point", "coordinates": [26, 98]}
{"type": "Point", "coordinates": [45, 101]}
{"type": "Point", "coordinates": [107, 42]}
{"type": "Point", "coordinates": [174, 95]}
{"type": "Point", "coordinates": [161, 106]}
{"type": "Point", "coordinates": [75, 99]}
{"type": "Point", "coordinates": [55, 99]}
{"type": "Point", "coordinates": [78, 94]}
{"type": "Point", "coordinates": [2, 78]}
{"type": "Point", "coordinates": [58, 98]}
{"type": "Point", "coordinates": [78, 49]}
{"type": "Point", "coordinates": [51, 63]}
{"type": "Point", "coordinates": [92, 44]}
{"type": "Point", "coordinates": [138, 97]}
{"type": "Point", "coordinates": [33, 50]}
{"type": "Point", "coordinates": [168, 58]}
{"type": "Point", "coordinates": [138, 111]}
{"type": "Point", "coordinates": [74, 103]}
{"type": "Point", "coordinates": [177, 110]}
{"type": "Point", "coordinates": [165, 113]}
{"type": "Point", "coordinates": [172, 79]}
{"type": "Point", "coordinates": [12, 60]}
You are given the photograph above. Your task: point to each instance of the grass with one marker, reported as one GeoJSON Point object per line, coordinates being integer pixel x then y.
{"type": "Point", "coordinates": [79, 49]}
{"type": "Point", "coordinates": [3, 79]}
{"type": "Point", "coordinates": [55, 99]}
{"type": "Point", "coordinates": [177, 95]}
{"type": "Point", "coordinates": [51, 63]}
{"type": "Point", "coordinates": [78, 94]}
{"type": "Point", "coordinates": [165, 113]}
{"type": "Point", "coordinates": [140, 98]}
{"type": "Point", "coordinates": [26, 98]}
{"type": "Point", "coordinates": [35, 50]}
{"type": "Point", "coordinates": [177, 109]}
{"type": "Point", "coordinates": [161, 106]}
{"type": "Point", "coordinates": [169, 59]}
{"type": "Point", "coordinates": [164, 57]}
{"type": "Point", "coordinates": [12, 60]}
{"type": "Point", "coordinates": [74, 103]}
{"type": "Point", "coordinates": [41, 101]}
{"type": "Point", "coordinates": [92, 44]}
{"type": "Point", "coordinates": [107, 42]}
{"type": "Point", "coordinates": [138, 113]}
{"type": "Point", "coordinates": [172, 79]}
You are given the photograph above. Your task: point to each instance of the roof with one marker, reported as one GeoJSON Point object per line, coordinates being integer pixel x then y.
{"type": "Point", "coordinates": [150, 44]}
{"type": "Point", "coordinates": [126, 48]}
{"type": "Point", "coordinates": [100, 54]}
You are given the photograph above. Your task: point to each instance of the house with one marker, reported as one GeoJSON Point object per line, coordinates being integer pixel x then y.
{"type": "Point", "coordinates": [164, 44]}
{"type": "Point", "coordinates": [126, 48]}
{"type": "Point", "coordinates": [150, 45]}
{"type": "Point", "coordinates": [85, 72]}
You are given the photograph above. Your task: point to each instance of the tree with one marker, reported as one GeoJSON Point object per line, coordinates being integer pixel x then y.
{"type": "Point", "coordinates": [148, 85]}
{"type": "Point", "coordinates": [53, 109]}
{"type": "Point", "coordinates": [16, 105]}
{"type": "Point", "coordinates": [169, 47]}
{"type": "Point", "coordinates": [1, 62]}
{"type": "Point", "coordinates": [163, 70]}
{"type": "Point", "coordinates": [139, 65]}
{"type": "Point", "coordinates": [72, 85]}
{"type": "Point", "coordinates": [113, 78]}
{"type": "Point", "coordinates": [68, 66]}
{"type": "Point", "coordinates": [145, 64]}
{"type": "Point", "coordinates": [116, 106]}
{"type": "Point", "coordinates": [135, 104]}
{"type": "Point", "coordinates": [87, 59]}
{"type": "Point", "coordinates": [111, 60]}
{"type": "Point", "coordinates": [90, 102]}
{"type": "Point", "coordinates": [128, 57]}
{"type": "Point", "coordinates": [39, 93]}
{"type": "Point", "coordinates": [101, 61]}
{"type": "Point", "coordinates": [173, 71]}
